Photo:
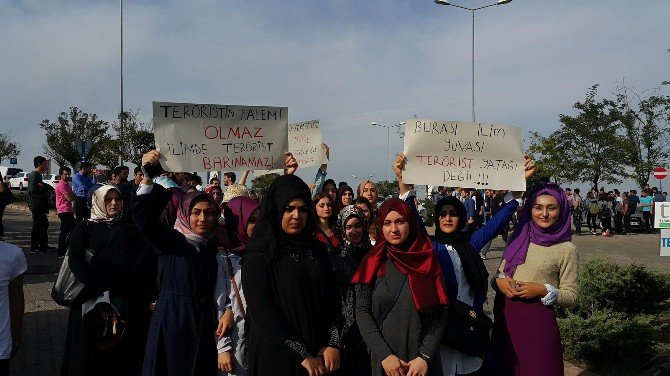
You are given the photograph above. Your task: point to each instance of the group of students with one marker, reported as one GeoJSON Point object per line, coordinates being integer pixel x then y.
{"type": "Point", "coordinates": [611, 211]}
{"type": "Point", "coordinates": [313, 281]}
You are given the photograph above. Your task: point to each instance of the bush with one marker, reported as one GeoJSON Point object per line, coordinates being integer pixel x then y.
{"type": "Point", "coordinates": [607, 336]}
{"type": "Point", "coordinates": [629, 289]}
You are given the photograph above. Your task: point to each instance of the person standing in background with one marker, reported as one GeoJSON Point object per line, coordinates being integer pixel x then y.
{"type": "Point", "coordinates": [38, 203]}
{"type": "Point", "coordinates": [6, 198]}
{"type": "Point", "coordinates": [82, 181]}
{"type": "Point", "coordinates": [577, 211]}
{"type": "Point", "coordinates": [64, 208]}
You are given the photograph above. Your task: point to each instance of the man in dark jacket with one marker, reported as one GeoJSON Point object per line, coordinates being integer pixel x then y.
{"type": "Point", "coordinates": [38, 203]}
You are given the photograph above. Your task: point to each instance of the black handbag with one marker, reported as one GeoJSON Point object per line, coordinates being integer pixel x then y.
{"type": "Point", "coordinates": [467, 330]}
{"type": "Point", "coordinates": [67, 288]}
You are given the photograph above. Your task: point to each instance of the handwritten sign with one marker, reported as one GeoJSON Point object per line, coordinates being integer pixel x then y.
{"type": "Point", "coordinates": [304, 141]}
{"type": "Point", "coordinates": [206, 137]}
{"type": "Point", "coordinates": [461, 154]}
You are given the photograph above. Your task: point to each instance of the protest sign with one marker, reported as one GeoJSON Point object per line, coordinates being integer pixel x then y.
{"type": "Point", "coordinates": [463, 154]}
{"type": "Point", "coordinates": [665, 242]}
{"type": "Point", "coordinates": [205, 137]}
{"type": "Point", "coordinates": [304, 141]}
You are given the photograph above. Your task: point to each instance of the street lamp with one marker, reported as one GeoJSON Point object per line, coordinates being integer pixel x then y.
{"type": "Point", "coordinates": [473, 10]}
{"type": "Point", "coordinates": [122, 117]}
{"type": "Point", "coordinates": [399, 127]}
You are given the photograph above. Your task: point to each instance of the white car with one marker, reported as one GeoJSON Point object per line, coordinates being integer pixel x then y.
{"type": "Point", "coordinates": [20, 181]}
{"type": "Point", "coordinates": [51, 179]}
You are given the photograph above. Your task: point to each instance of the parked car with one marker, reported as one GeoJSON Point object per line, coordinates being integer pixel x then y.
{"type": "Point", "coordinates": [9, 172]}
{"type": "Point", "coordinates": [19, 181]}
{"type": "Point", "coordinates": [51, 179]}
{"type": "Point", "coordinates": [636, 221]}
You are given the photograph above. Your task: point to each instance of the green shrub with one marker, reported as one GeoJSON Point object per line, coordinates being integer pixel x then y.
{"type": "Point", "coordinates": [629, 289]}
{"type": "Point", "coordinates": [607, 336]}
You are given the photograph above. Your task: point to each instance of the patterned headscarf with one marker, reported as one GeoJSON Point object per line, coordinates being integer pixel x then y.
{"type": "Point", "coordinates": [348, 212]}
{"type": "Point", "coordinates": [183, 223]}
{"type": "Point", "coordinates": [235, 190]}
{"type": "Point", "coordinates": [98, 210]}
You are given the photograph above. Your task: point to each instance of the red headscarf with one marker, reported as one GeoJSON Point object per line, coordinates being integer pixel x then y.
{"type": "Point", "coordinates": [415, 258]}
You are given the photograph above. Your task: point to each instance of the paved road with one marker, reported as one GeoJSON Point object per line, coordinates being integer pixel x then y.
{"type": "Point", "coordinates": [45, 322]}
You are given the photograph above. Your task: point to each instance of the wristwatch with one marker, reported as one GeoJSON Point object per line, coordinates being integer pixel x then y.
{"type": "Point", "coordinates": [425, 357]}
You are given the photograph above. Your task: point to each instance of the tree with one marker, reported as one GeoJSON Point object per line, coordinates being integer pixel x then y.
{"type": "Point", "coordinates": [76, 124]}
{"type": "Point", "coordinates": [261, 183]}
{"type": "Point", "coordinates": [136, 136]}
{"type": "Point", "coordinates": [591, 143]}
{"type": "Point", "coordinates": [646, 118]}
{"type": "Point", "coordinates": [8, 148]}
{"type": "Point", "coordinates": [386, 188]}
{"type": "Point", "coordinates": [550, 159]}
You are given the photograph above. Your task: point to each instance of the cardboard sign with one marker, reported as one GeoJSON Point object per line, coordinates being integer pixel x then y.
{"type": "Point", "coordinates": [662, 215]}
{"type": "Point", "coordinates": [304, 141]}
{"type": "Point", "coordinates": [665, 242]}
{"type": "Point", "coordinates": [462, 154]}
{"type": "Point", "coordinates": [206, 137]}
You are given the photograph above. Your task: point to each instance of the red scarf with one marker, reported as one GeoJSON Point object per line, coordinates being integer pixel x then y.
{"type": "Point", "coordinates": [414, 258]}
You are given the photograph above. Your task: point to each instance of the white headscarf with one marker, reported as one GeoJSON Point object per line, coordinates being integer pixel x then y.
{"type": "Point", "coordinates": [98, 211]}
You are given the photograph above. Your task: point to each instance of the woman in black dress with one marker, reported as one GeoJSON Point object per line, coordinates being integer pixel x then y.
{"type": "Point", "coordinates": [293, 305]}
{"type": "Point", "coordinates": [122, 264]}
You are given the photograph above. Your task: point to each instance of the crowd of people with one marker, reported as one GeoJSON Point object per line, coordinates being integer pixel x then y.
{"type": "Point", "coordinates": [184, 279]}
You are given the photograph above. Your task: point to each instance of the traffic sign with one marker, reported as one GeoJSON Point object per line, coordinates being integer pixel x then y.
{"type": "Point", "coordinates": [660, 173]}
{"type": "Point", "coordinates": [13, 161]}
{"type": "Point", "coordinates": [83, 147]}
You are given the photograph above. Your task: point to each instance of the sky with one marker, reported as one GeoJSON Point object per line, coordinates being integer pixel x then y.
{"type": "Point", "coordinates": [346, 62]}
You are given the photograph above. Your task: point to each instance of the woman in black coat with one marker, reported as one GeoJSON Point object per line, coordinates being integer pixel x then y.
{"type": "Point", "coordinates": [293, 303]}
{"type": "Point", "coordinates": [122, 264]}
{"type": "Point", "coordinates": [181, 338]}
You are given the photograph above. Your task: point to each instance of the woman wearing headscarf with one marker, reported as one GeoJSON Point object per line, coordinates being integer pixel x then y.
{"type": "Point", "coordinates": [293, 306]}
{"type": "Point", "coordinates": [345, 196]}
{"type": "Point", "coordinates": [181, 337]}
{"type": "Point", "coordinates": [401, 296]}
{"type": "Point", "coordinates": [121, 264]}
{"type": "Point", "coordinates": [463, 268]}
{"type": "Point", "coordinates": [241, 215]}
{"type": "Point", "coordinates": [370, 216]}
{"type": "Point", "coordinates": [216, 192]}
{"type": "Point", "coordinates": [352, 224]}
{"type": "Point", "coordinates": [539, 270]}
{"type": "Point", "coordinates": [325, 231]}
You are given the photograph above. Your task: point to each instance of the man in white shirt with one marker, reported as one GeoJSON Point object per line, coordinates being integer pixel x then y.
{"type": "Point", "coordinates": [12, 304]}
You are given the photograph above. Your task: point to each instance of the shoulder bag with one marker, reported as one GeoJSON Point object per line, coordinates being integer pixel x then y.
{"type": "Point", "coordinates": [467, 330]}
{"type": "Point", "coordinates": [67, 288]}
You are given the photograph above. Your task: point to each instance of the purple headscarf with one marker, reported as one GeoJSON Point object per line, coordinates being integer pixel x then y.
{"type": "Point", "coordinates": [237, 214]}
{"type": "Point", "coordinates": [528, 232]}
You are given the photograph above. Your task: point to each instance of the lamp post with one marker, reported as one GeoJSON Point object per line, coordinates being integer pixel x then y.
{"type": "Point", "coordinates": [122, 117]}
{"type": "Point", "coordinates": [473, 10]}
{"type": "Point", "coordinates": [388, 142]}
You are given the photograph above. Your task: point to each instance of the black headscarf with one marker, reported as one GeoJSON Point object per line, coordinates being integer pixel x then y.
{"type": "Point", "coordinates": [268, 237]}
{"type": "Point", "coordinates": [473, 265]}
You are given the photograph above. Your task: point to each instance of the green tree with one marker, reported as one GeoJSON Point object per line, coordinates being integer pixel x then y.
{"type": "Point", "coordinates": [8, 148]}
{"type": "Point", "coordinates": [60, 136]}
{"type": "Point", "coordinates": [133, 139]}
{"type": "Point", "coordinates": [590, 143]}
{"type": "Point", "coordinates": [550, 159]}
{"type": "Point", "coordinates": [646, 118]}
{"type": "Point", "coordinates": [386, 188]}
{"type": "Point", "coordinates": [261, 183]}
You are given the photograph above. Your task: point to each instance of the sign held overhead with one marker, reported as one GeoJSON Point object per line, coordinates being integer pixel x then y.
{"type": "Point", "coordinates": [464, 154]}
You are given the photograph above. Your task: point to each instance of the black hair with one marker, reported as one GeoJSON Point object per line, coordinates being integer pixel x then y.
{"type": "Point", "coordinates": [85, 165]}
{"type": "Point", "coordinates": [118, 169]}
{"type": "Point", "coordinates": [64, 168]}
{"type": "Point", "coordinates": [38, 160]}
{"type": "Point", "coordinates": [136, 170]}
{"type": "Point", "coordinates": [231, 176]}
